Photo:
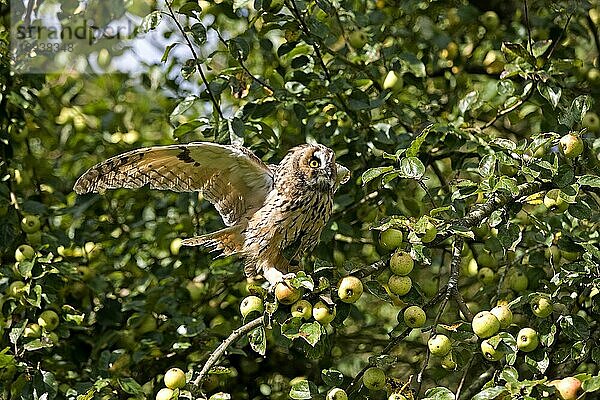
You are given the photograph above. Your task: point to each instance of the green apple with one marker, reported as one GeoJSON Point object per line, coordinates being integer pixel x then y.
{"type": "Point", "coordinates": [517, 281]}
{"type": "Point", "coordinates": [486, 259]}
{"type": "Point", "coordinates": [490, 20]}
{"type": "Point", "coordinates": [164, 394]}
{"type": "Point", "coordinates": [508, 169]}
{"type": "Point", "coordinates": [30, 224]}
{"type": "Point", "coordinates": [554, 202]}
{"type": "Point", "coordinates": [18, 134]}
{"type": "Point", "coordinates": [175, 246]}
{"type": "Point", "coordinates": [48, 320]}
{"type": "Point", "coordinates": [414, 317]}
{"type": "Point", "coordinates": [591, 121]}
{"type": "Point", "coordinates": [486, 275]}
{"type": "Point", "coordinates": [174, 378]}
{"type": "Point", "coordinates": [391, 239]}
{"type": "Point", "coordinates": [541, 307]}
{"type": "Point", "coordinates": [52, 336]}
{"type": "Point", "coordinates": [393, 81]}
{"type": "Point", "coordinates": [374, 378]}
{"type": "Point", "coordinates": [358, 39]}
{"type": "Point", "coordinates": [401, 263]}
{"type": "Point", "coordinates": [485, 324]}
{"type": "Point", "coordinates": [34, 238]}
{"type": "Point", "coordinates": [489, 352]}
{"type": "Point", "coordinates": [570, 255]}
{"type": "Point", "coordinates": [15, 289]}
{"type": "Point", "coordinates": [553, 253]}
{"type": "Point", "coordinates": [430, 233]}
{"type": "Point", "coordinates": [447, 362]}
{"type": "Point", "coordinates": [146, 324]}
{"type": "Point", "coordinates": [350, 289]}
{"type": "Point", "coordinates": [527, 340]}
{"type": "Point", "coordinates": [251, 304]}
{"type": "Point", "coordinates": [302, 309]}
{"type": "Point", "coordinates": [567, 388]}
{"type": "Point", "coordinates": [400, 285]}
{"type": "Point", "coordinates": [336, 394]}
{"type": "Point", "coordinates": [439, 345]}
{"type": "Point", "coordinates": [469, 267]}
{"type": "Point", "coordinates": [571, 146]}
{"type": "Point", "coordinates": [503, 314]}
{"type": "Point", "coordinates": [286, 293]}
{"type": "Point", "coordinates": [32, 331]}
{"type": "Point", "coordinates": [24, 252]}
{"type": "Point", "coordinates": [195, 289]}
{"type": "Point", "coordinates": [323, 313]}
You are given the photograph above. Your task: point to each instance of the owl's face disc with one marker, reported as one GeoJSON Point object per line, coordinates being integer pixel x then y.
{"type": "Point", "coordinates": [318, 167]}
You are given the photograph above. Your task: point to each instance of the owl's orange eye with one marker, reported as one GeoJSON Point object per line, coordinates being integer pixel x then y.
{"type": "Point", "coordinates": [314, 163]}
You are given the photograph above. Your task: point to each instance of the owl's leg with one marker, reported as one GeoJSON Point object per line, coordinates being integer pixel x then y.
{"type": "Point", "coordinates": [273, 275]}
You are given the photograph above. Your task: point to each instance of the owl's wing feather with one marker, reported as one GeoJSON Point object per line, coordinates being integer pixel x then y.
{"type": "Point", "coordinates": [231, 177]}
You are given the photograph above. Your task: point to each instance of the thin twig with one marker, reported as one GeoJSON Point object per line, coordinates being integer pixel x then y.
{"type": "Point", "coordinates": [475, 217]}
{"type": "Point", "coordinates": [528, 27]}
{"type": "Point", "coordinates": [594, 30]}
{"type": "Point", "coordinates": [478, 383]}
{"type": "Point", "coordinates": [241, 62]}
{"type": "Point", "coordinates": [211, 95]}
{"type": "Point", "coordinates": [507, 110]}
{"type": "Point", "coordinates": [294, 9]}
{"type": "Point", "coordinates": [219, 351]}
{"type": "Point", "coordinates": [464, 377]}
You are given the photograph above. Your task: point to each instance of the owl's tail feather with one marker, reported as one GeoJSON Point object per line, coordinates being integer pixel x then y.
{"type": "Point", "coordinates": [229, 241]}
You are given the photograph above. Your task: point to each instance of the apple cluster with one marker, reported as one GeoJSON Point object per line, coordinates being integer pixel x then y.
{"type": "Point", "coordinates": [174, 381]}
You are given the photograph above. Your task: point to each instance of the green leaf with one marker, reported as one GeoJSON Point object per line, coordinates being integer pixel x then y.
{"type": "Point", "coordinates": [574, 326]}
{"type": "Point", "coordinates": [589, 180]}
{"type": "Point", "coordinates": [514, 50]}
{"type": "Point", "coordinates": [17, 331]}
{"type": "Point", "coordinates": [510, 375]}
{"type": "Point", "coordinates": [332, 377]}
{"type": "Point", "coordinates": [191, 8]}
{"type": "Point", "coordinates": [509, 236]}
{"type": "Point", "coordinates": [439, 393]}
{"type": "Point", "coordinates": [237, 4]}
{"type": "Point", "coordinates": [508, 184]}
{"type": "Point", "coordinates": [490, 393]}
{"type": "Point", "coordinates": [466, 102]}
{"type": "Point", "coordinates": [129, 385]}
{"type": "Point", "coordinates": [550, 93]}
{"type": "Point", "coordinates": [410, 63]}
{"type": "Point", "coordinates": [373, 173]}
{"type": "Point", "coordinates": [576, 111]}
{"type": "Point", "coordinates": [415, 145]}
{"type": "Point", "coordinates": [220, 396]}
{"type": "Point", "coordinates": [311, 332]}
{"type": "Point", "coordinates": [591, 385]}
{"type": "Point", "coordinates": [377, 290]}
{"type": "Point", "coordinates": [540, 47]}
{"type": "Point", "coordinates": [167, 51]}
{"type": "Point", "coordinates": [411, 168]}
{"type": "Point", "coordinates": [151, 21]}
{"type": "Point", "coordinates": [487, 165]}
{"type": "Point", "coordinates": [198, 32]}
{"type": "Point", "coordinates": [303, 390]}
{"type": "Point", "coordinates": [258, 340]}
{"type": "Point", "coordinates": [504, 144]}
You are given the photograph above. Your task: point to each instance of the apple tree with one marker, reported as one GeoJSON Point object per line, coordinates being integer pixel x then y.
{"type": "Point", "coordinates": [462, 258]}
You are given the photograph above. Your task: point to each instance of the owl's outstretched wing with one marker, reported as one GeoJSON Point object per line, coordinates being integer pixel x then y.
{"type": "Point", "coordinates": [231, 177]}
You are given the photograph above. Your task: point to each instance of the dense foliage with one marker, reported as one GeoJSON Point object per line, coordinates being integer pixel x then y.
{"type": "Point", "coordinates": [473, 138]}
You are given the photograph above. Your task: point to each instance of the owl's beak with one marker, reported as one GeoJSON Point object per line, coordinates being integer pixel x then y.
{"type": "Point", "coordinates": [343, 174]}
